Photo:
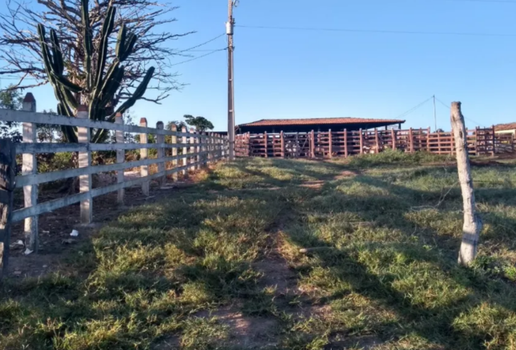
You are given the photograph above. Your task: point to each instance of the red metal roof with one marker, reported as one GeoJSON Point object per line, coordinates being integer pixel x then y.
{"type": "Point", "coordinates": [502, 127]}
{"type": "Point", "coordinates": [321, 121]}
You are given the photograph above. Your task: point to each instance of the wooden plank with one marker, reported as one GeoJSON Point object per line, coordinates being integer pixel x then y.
{"type": "Point", "coordinates": [80, 147]}
{"type": "Point", "coordinates": [22, 181]}
{"type": "Point", "coordinates": [52, 205]}
{"type": "Point", "coordinates": [7, 174]}
{"type": "Point", "coordinates": [44, 118]}
{"type": "Point", "coordinates": [120, 158]}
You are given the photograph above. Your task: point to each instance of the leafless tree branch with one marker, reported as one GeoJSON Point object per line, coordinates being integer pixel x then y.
{"type": "Point", "coordinates": [20, 47]}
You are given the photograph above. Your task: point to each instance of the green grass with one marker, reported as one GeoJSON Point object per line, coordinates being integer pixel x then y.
{"type": "Point", "coordinates": [383, 274]}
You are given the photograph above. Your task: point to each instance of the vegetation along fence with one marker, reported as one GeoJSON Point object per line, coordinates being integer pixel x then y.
{"type": "Point", "coordinates": [481, 141]}
{"type": "Point", "coordinates": [175, 152]}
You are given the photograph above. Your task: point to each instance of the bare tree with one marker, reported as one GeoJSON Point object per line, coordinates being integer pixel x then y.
{"type": "Point", "coordinates": [20, 47]}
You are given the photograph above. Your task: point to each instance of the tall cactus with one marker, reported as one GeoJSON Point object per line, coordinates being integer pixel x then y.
{"type": "Point", "coordinates": [99, 87]}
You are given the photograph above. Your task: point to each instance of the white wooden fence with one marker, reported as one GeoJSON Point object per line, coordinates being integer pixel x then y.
{"type": "Point", "coordinates": [197, 150]}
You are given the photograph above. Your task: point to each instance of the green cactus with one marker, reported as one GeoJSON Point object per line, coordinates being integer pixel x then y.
{"type": "Point", "coordinates": [99, 87]}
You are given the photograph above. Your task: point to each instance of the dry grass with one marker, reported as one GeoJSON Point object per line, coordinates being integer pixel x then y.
{"type": "Point", "coordinates": [196, 271]}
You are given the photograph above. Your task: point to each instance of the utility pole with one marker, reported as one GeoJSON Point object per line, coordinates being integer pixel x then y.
{"type": "Point", "coordinates": [231, 79]}
{"type": "Point", "coordinates": [435, 116]}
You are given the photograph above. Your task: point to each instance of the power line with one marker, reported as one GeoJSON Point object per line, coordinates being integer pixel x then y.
{"type": "Point", "coordinates": [375, 31]}
{"type": "Point", "coordinates": [202, 44]}
{"type": "Point", "coordinates": [198, 57]}
{"type": "Point", "coordinates": [414, 108]}
{"type": "Point", "coordinates": [447, 106]}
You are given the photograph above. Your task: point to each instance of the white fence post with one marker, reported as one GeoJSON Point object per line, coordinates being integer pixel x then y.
{"type": "Point", "coordinates": [209, 140]}
{"type": "Point", "coordinates": [192, 149]}
{"type": "Point", "coordinates": [144, 154]}
{"type": "Point", "coordinates": [198, 141]}
{"type": "Point", "coordinates": [120, 158]}
{"type": "Point", "coordinates": [174, 151]}
{"type": "Point", "coordinates": [185, 152]}
{"type": "Point", "coordinates": [203, 148]}
{"type": "Point", "coordinates": [161, 153]}
{"type": "Point", "coordinates": [84, 136]}
{"type": "Point", "coordinates": [30, 166]}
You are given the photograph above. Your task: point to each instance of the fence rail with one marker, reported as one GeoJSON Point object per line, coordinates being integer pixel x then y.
{"type": "Point", "coordinates": [328, 144]}
{"type": "Point", "coordinates": [176, 152]}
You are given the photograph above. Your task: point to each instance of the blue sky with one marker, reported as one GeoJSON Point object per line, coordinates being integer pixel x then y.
{"type": "Point", "coordinates": [300, 73]}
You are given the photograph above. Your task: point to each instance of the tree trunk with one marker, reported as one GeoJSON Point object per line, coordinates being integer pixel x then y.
{"type": "Point", "coordinates": [472, 222]}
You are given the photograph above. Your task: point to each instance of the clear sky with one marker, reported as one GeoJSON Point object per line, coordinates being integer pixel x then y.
{"type": "Point", "coordinates": [382, 58]}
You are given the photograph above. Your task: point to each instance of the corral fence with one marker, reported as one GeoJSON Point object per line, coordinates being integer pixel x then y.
{"type": "Point", "coordinates": [328, 144]}
{"type": "Point", "coordinates": [176, 152]}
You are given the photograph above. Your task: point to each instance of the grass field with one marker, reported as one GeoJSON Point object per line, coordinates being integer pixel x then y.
{"type": "Point", "coordinates": [280, 254]}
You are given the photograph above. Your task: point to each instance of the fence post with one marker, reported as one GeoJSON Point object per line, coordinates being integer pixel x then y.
{"type": "Point", "coordinates": [198, 141]}
{"type": "Point", "coordinates": [266, 140]}
{"type": "Point", "coordinates": [160, 140]}
{"type": "Point", "coordinates": [476, 141]}
{"type": "Point", "coordinates": [184, 154]}
{"type": "Point", "coordinates": [411, 141]}
{"type": "Point", "coordinates": [144, 154]}
{"type": "Point", "coordinates": [30, 166]}
{"type": "Point", "coordinates": [494, 141]}
{"type": "Point", "coordinates": [208, 147]}
{"type": "Point", "coordinates": [420, 139]}
{"type": "Point", "coordinates": [376, 140]}
{"type": "Point", "coordinates": [472, 225]}
{"type": "Point", "coordinates": [7, 176]}
{"type": "Point", "coordinates": [216, 147]}
{"type": "Point", "coordinates": [174, 150]}
{"type": "Point", "coordinates": [312, 144]}
{"type": "Point", "coordinates": [428, 140]}
{"type": "Point", "coordinates": [346, 143]}
{"type": "Point", "coordinates": [393, 137]}
{"type": "Point", "coordinates": [84, 136]}
{"type": "Point", "coordinates": [330, 144]}
{"type": "Point", "coordinates": [120, 158]}
{"type": "Point", "coordinates": [361, 142]}
{"type": "Point", "coordinates": [438, 142]}
{"type": "Point", "coordinates": [282, 144]}
{"type": "Point", "coordinates": [203, 149]}
{"type": "Point", "coordinates": [248, 151]}
{"type": "Point", "coordinates": [192, 150]}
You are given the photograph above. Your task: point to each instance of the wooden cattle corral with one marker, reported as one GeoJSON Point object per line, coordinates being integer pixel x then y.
{"type": "Point", "coordinates": [193, 152]}
{"type": "Point", "coordinates": [328, 144]}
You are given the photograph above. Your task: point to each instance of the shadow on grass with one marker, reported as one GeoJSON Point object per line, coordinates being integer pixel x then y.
{"type": "Point", "coordinates": [387, 272]}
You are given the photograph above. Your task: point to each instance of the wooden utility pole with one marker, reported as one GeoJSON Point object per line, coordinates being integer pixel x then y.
{"type": "Point", "coordinates": [472, 222]}
{"type": "Point", "coordinates": [231, 95]}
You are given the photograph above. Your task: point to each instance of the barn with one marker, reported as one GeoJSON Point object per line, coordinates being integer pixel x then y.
{"type": "Point", "coordinates": [273, 126]}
